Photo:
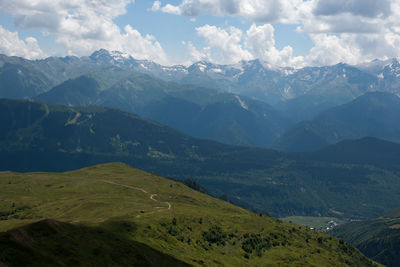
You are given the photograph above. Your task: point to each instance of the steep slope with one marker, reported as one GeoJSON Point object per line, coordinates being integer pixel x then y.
{"type": "Point", "coordinates": [56, 70]}
{"type": "Point", "coordinates": [388, 74]}
{"type": "Point", "coordinates": [37, 136]}
{"type": "Point", "coordinates": [200, 112]}
{"type": "Point", "coordinates": [95, 133]}
{"type": "Point", "coordinates": [53, 243]}
{"type": "Point", "coordinates": [128, 215]}
{"type": "Point", "coordinates": [367, 150]}
{"type": "Point", "coordinates": [316, 89]}
{"type": "Point", "coordinates": [225, 118]}
{"type": "Point", "coordinates": [300, 93]}
{"type": "Point", "coordinates": [295, 94]}
{"type": "Point", "coordinates": [17, 81]}
{"type": "Point", "coordinates": [373, 114]}
{"type": "Point", "coordinates": [82, 91]}
{"type": "Point", "coordinates": [135, 93]}
{"type": "Point", "coordinates": [378, 238]}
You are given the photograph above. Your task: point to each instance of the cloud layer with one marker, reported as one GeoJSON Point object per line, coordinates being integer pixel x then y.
{"type": "Point", "coordinates": [254, 10]}
{"type": "Point", "coordinates": [365, 8]}
{"type": "Point", "coordinates": [12, 45]}
{"type": "Point", "coordinates": [349, 31]}
{"type": "Point", "coordinates": [83, 26]}
{"type": "Point", "coordinates": [228, 46]}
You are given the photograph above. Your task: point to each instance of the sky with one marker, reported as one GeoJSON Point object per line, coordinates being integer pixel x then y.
{"type": "Point", "coordinates": [285, 33]}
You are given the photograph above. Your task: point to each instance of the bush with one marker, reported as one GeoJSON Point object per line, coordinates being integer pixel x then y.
{"type": "Point", "coordinates": [215, 235]}
{"type": "Point", "coordinates": [254, 242]}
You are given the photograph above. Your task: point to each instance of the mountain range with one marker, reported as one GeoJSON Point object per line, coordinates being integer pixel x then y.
{"type": "Point", "coordinates": [200, 112]}
{"type": "Point", "coordinates": [251, 104]}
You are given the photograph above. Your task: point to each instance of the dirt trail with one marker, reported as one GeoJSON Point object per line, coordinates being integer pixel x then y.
{"type": "Point", "coordinates": [151, 196]}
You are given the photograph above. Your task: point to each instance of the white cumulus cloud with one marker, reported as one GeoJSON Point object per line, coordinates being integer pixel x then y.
{"type": "Point", "coordinates": [255, 10]}
{"type": "Point", "coordinates": [156, 6]}
{"type": "Point", "coordinates": [83, 26]}
{"type": "Point", "coordinates": [227, 46]}
{"type": "Point", "coordinates": [12, 45]}
{"type": "Point", "coordinates": [350, 31]}
{"type": "Point", "coordinates": [330, 49]}
{"type": "Point", "coordinates": [260, 41]}
{"type": "Point", "coordinates": [365, 8]}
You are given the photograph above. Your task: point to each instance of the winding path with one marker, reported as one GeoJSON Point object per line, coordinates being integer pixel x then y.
{"type": "Point", "coordinates": [144, 191]}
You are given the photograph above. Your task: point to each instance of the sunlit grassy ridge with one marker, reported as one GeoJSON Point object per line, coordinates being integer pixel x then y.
{"type": "Point", "coordinates": [167, 216]}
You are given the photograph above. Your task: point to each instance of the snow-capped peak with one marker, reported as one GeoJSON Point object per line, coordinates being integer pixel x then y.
{"type": "Point", "coordinates": [119, 56]}
{"type": "Point", "coordinates": [110, 56]}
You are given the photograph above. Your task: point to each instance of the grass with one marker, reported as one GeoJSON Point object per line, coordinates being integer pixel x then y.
{"type": "Point", "coordinates": [198, 229]}
{"type": "Point", "coordinates": [53, 243]}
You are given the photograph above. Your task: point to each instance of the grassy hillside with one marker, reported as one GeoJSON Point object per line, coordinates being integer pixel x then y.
{"type": "Point", "coordinates": [115, 201]}
{"type": "Point", "coordinates": [54, 243]}
{"type": "Point", "coordinates": [378, 238]}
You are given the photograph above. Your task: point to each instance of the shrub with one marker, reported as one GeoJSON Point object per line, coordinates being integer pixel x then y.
{"type": "Point", "coordinates": [215, 235]}
{"type": "Point", "coordinates": [254, 242]}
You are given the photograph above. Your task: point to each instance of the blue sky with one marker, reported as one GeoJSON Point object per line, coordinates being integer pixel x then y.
{"type": "Point", "coordinates": [293, 33]}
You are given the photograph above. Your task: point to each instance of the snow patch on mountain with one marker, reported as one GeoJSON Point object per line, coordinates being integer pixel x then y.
{"type": "Point", "coordinates": [241, 103]}
{"type": "Point", "coordinates": [119, 56]}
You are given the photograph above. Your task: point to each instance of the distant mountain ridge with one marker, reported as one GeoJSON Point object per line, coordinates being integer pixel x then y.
{"type": "Point", "coordinates": [317, 87]}
{"type": "Point", "coordinates": [375, 114]}
{"type": "Point", "coordinates": [367, 150]}
{"type": "Point", "coordinates": [249, 103]}
{"type": "Point", "coordinates": [249, 78]}
{"type": "Point", "coordinates": [200, 112]}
